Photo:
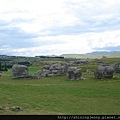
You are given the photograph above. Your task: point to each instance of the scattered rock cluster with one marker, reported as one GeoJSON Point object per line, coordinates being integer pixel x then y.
{"type": "Point", "coordinates": [21, 71]}
{"type": "Point", "coordinates": [73, 73]}
{"type": "Point", "coordinates": [52, 70]}
{"type": "Point", "coordinates": [13, 108]}
{"type": "Point", "coordinates": [58, 69]}
{"type": "Point", "coordinates": [77, 62]}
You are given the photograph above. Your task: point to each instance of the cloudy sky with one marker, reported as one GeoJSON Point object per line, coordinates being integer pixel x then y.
{"type": "Point", "coordinates": [47, 27]}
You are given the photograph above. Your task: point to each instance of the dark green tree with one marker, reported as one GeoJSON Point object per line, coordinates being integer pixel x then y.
{"type": "Point", "coordinates": [0, 67]}
{"type": "Point", "coordinates": [6, 67]}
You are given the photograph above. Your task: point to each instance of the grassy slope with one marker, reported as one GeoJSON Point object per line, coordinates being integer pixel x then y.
{"type": "Point", "coordinates": [82, 56]}
{"type": "Point", "coordinates": [58, 95]}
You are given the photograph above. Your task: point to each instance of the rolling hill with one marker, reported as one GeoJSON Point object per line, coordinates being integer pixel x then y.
{"type": "Point", "coordinates": [95, 54]}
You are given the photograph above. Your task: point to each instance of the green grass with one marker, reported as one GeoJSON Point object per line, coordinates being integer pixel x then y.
{"type": "Point", "coordinates": [34, 69]}
{"type": "Point", "coordinates": [58, 95]}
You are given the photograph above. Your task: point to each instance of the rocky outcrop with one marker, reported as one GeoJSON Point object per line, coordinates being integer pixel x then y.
{"type": "Point", "coordinates": [104, 72]}
{"type": "Point", "coordinates": [59, 70]}
{"type": "Point", "coordinates": [19, 71]}
{"type": "Point", "coordinates": [51, 70]}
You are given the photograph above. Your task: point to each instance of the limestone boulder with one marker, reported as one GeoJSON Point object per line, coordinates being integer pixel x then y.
{"type": "Point", "coordinates": [19, 71]}
{"type": "Point", "coordinates": [74, 73]}
{"type": "Point", "coordinates": [116, 67]}
{"type": "Point", "coordinates": [104, 72]}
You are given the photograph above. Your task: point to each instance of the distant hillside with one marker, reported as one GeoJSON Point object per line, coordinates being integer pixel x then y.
{"type": "Point", "coordinates": [95, 54]}
{"type": "Point", "coordinates": [104, 52]}
{"type": "Point", "coordinates": [73, 55]}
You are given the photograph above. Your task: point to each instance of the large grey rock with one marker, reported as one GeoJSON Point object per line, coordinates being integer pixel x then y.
{"type": "Point", "coordinates": [104, 72]}
{"type": "Point", "coordinates": [116, 67]}
{"type": "Point", "coordinates": [78, 74]}
{"type": "Point", "coordinates": [74, 73]}
{"type": "Point", "coordinates": [19, 71]}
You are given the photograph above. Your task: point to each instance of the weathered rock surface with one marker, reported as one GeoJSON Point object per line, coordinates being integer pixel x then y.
{"type": "Point", "coordinates": [51, 70]}
{"type": "Point", "coordinates": [60, 70]}
{"type": "Point", "coordinates": [74, 73]}
{"type": "Point", "coordinates": [19, 71]}
{"type": "Point", "coordinates": [104, 72]}
{"type": "Point", "coordinates": [116, 67]}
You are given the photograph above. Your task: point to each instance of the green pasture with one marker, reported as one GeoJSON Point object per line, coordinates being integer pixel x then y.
{"type": "Point", "coordinates": [58, 95]}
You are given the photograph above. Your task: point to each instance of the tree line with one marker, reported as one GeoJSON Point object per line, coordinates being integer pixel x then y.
{"type": "Point", "coordinates": [3, 67]}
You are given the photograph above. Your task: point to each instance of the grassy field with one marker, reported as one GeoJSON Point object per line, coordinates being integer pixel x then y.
{"type": "Point", "coordinates": [58, 95]}
{"type": "Point", "coordinates": [92, 56]}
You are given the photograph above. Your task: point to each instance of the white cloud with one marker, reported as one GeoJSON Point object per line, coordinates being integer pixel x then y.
{"type": "Point", "coordinates": [59, 26]}
{"type": "Point", "coordinates": [43, 14]}
{"type": "Point", "coordinates": [76, 44]}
